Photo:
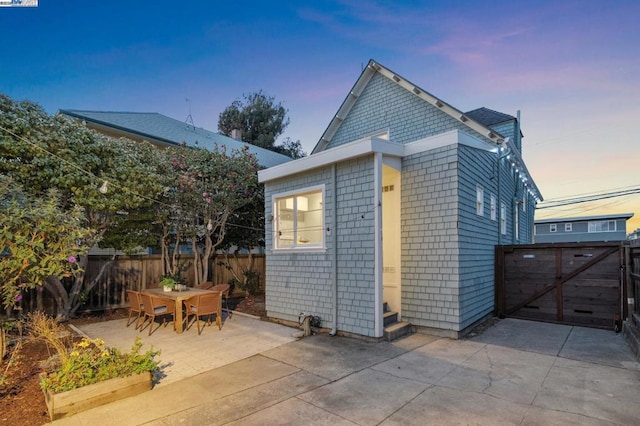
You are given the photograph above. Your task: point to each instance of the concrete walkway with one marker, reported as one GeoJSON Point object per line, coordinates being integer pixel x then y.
{"type": "Point", "coordinates": [516, 372]}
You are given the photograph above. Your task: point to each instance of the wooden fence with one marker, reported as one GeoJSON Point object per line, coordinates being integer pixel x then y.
{"type": "Point", "coordinates": [134, 273]}
{"type": "Point", "coordinates": [633, 275]}
{"type": "Point", "coordinates": [580, 284]}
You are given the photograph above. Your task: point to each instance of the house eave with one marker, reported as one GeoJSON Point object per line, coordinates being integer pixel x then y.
{"type": "Point", "coordinates": [359, 148]}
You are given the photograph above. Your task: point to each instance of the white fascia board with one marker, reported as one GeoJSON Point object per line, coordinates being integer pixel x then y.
{"type": "Point", "coordinates": [448, 138]}
{"type": "Point", "coordinates": [324, 158]}
{"type": "Point", "coordinates": [438, 103]}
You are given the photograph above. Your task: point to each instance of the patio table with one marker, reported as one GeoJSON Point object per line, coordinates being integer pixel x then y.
{"type": "Point", "coordinates": [179, 297]}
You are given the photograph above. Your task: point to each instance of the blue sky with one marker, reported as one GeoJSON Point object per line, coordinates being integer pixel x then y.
{"type": "Point", "coordinates": [571, 67]}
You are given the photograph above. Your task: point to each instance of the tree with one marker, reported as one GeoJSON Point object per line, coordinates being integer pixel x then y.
{"type": "Point", "coordinates": [291, 148]}
{"type": "Point", "coordinates": [210, 186]}
{"type": "Point", "coordinates": [43, 152]}
{"type": "Point", "coordinates": [261, 121]}
{"type": "Point", "coordinates": [39, 240]}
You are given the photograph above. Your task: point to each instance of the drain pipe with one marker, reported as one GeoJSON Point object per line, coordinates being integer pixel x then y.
{"type": "Point", "coordinates": [334, 251]}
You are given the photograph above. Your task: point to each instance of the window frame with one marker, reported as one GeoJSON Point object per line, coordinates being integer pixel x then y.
{"type": "Point", "coordinates": [479, 200]}
{"type": "Point", "coordinates": [296, 246]}
{"type": "Point", "coordinates": [592, 224]}
{"type": "Point", "coordinates": [568, 227]}
{"type": "Point", "coordinates": [553, 227]}
{"type": "Point", "coordinates": [503, 219]}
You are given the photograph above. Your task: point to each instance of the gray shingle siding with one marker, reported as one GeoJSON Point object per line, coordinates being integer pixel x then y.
{"type": "Point", "coordinates": [356, 257]}
{"type": "Point", "coordinates": [301, 282]}
{"type": "Point", "coordinates": [429, 239]}
{"type": "Point", "coordinates": [292, 287]}
{"type": "Point", "coordinates": [385, 105]}
{"type": "Point", "coordinates": [477, 234]}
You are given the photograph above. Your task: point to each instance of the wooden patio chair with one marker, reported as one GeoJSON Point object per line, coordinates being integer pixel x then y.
{"type": "Point", "coordinates": [204, 305]}
{"type": "Point", "coordinates": [135, 306]}
{"type": "Point", "coordinates": [224, 289]}
{"type": "Point", "coordinates": [157, 307]}
{"type": "Point", "coordinates": [205, 285]}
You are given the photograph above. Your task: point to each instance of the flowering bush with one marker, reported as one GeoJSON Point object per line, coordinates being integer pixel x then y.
{"type": "Point", "coordinates": [89, 361]}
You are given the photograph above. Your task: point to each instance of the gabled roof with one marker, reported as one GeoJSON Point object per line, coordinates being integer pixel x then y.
{"type": "Point", "coordinates": [163, 130]}
{"type": "Point", "coordinates": [367, 74]}
{"type": "Point", "coordinates": [488, 117]}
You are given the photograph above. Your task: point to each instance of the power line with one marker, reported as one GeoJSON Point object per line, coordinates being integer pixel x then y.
{"type": "Point", "coordinates": [588, 198]}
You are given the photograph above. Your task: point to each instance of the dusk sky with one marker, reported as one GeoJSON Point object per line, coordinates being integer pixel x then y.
{"type": "Point", "coordinates": [572, 68]}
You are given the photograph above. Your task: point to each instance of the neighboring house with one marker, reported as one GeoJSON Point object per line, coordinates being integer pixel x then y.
{"type": "Point", "coordinates": [634, 235]}
{"type": "Point", "coordinates": [402, 201]}
{"type": "Point", "coordinates": [605, 228]}
{"type": "Point", "coordinates": [161, 130]}
{"type": "Point", "coordinates": [164, 131]}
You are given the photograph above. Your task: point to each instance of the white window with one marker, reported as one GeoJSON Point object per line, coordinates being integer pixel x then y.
{"type": "Point", "coordinates": [568, 227]}
{"type": "Point", "coordinates": [479, 201]}
{"type": "Point", "coordinates": [299, 219]}
{"type": "Point", "coordinates": [602, 226]}
{"type": "Point", "coordinates": [494, 208]}
{"type": "Point", "coordinates": [553, 227]}
{"type": "Point", "coordinates": [503, 219]}
{"type": "Point", "coordinates": [524, 202]}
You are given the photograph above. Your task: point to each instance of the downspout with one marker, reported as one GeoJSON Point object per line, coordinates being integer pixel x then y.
{"type": "Point", "coordinates": [334, 250]}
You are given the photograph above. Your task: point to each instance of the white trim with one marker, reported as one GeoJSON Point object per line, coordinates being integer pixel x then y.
{"type": "Point", "coordinates": [370, 145]}
{"type": "Point", "coordinates": [354, 149]}
{"type": "Point", "coordinates": [377, 218]}
{"type": "Point", "coordinates": [445, 139]}
{"type": "Point", "coordinates": [274, 226]}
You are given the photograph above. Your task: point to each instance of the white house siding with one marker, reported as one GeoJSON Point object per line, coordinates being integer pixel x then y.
{"type": "Point", "coordinates": [302, 282]}
{"type": "Point", "coordinates": [430, 252]}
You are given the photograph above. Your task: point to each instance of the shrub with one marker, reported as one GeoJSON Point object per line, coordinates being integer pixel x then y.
{"type": "Point", "coordinates": [88, 361]}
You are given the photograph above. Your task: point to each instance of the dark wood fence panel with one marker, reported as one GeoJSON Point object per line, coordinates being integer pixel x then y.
{"type": "Point", "coordinates": [633, 271]}
{"type": "Point", "coordinates": [578, 284]}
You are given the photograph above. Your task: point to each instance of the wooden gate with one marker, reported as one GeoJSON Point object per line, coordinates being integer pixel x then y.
{"type": "Point", "coordinates": [578, 284]}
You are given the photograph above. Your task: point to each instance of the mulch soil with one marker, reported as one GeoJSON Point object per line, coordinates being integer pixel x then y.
{"type": "Point", "coordinates": [21, 399]}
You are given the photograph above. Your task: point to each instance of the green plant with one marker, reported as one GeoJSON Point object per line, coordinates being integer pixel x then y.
{"type": "Point", "coordinates": [168, 281]}
{"type": "Point", "coordinates": [91, 362]}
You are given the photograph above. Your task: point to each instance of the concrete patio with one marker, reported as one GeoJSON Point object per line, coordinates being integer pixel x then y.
{"type": "Point", "coordinates": [516, 372]}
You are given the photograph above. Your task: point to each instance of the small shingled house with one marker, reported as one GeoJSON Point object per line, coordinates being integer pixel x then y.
{"type": "Point", "coordinates": [161, 130]}
{"type": "Point", "coordinates": [398, 208]}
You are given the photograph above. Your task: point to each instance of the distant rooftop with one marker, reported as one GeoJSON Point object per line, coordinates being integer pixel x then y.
{"type": "Point", "coordinates": [626, 216]}
{"type": "Point", "coordinates": [161, 129]}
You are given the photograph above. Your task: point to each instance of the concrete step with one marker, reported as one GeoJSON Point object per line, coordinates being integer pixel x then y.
{"type": "Point", "coordinates": [396, 330]}
{"type": "Point", "coordinates": [389, 318]}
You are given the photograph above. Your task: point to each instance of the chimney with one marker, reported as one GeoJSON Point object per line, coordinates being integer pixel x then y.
{"type": "Point", "coordinates": [236, 134]}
